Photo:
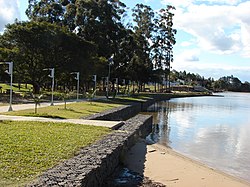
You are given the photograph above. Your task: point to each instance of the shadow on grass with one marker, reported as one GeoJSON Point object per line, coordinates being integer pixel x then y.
{"type": "Point", "coordinates": [44, 115]}
{"type": "Point", "coordinates": [72, 110]}
{"type": "Point", "coordinates": [116, 101]}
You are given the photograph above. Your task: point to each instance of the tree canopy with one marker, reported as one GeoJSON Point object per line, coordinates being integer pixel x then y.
{"type": "Point", "coordinates": [81, 35]}
{"type": "Point", "coordinates": [34, 46]}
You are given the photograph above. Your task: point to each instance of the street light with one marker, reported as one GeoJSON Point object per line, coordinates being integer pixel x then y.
{"type": "Point", "coordinates": [133, 86]}
{"type": "Point", "coordinates": [117, 84]}
{"type": "Point", "coordinates": [169, 77]}
{"type": "Point", "coordinates": [106, 84]}
{"type": "Point", "coordinates": [163, 81]}
{"type": "Point", "coordinates": [111, 62]}
{"type": "Point", "coordinates": [52, 76]}
{"type": "Point", "coordinates": [129, 82]}
{"type": "Point", "coordinates": [77, 78]}
{"type": "Point", "coordinates": [116, 81]}
{"type": "Point", "coordinates": [94, 79]}
{"type": "Point", "coordinates": [10, 72]}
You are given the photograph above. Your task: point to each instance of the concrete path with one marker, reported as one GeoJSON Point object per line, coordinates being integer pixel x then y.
{"type": "Point", "coordinates": [109, 124]}
{"type": "Point", "coordinates": [16, 107]}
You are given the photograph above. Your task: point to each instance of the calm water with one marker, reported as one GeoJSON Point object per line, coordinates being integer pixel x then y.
{"type": "Point", "coordinates": [213, 130]}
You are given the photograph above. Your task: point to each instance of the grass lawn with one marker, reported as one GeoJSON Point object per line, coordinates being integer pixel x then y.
{"type": "Point", "coordinates": [29, 148]}
{"type": "Point", "coordinates": [73, 110]}
{"type": "Point", "coordinates": [15, 87]}
{"type": "Point", "coordinates": [134, 98]}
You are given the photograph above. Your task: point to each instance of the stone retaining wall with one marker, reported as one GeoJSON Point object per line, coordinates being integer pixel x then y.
{"type": "Point", "coordinates": [128, 111]}
{"type": "Point", "coordinates": [98, 161]}
{"type": "Point", "coordinates": [118, 113]}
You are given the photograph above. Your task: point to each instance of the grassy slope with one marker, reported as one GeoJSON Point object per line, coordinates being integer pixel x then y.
{"type": "Point", "coordinates": [29, 148]}
{"type": "Point", "coordinates": [15, 87]}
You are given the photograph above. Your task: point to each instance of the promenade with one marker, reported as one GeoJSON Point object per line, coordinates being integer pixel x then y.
{"type": "Point", "coordinates": [16, 107]}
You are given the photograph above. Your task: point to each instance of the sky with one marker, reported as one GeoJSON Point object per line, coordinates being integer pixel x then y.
{"type": "Point", "coordinates": [213, 36]}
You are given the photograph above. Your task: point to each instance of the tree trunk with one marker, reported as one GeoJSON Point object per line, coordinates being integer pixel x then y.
{"type": "Point", "coordinates": [133, 87]}
{"type": "Point", "coordinates": [36, 88]}
{"type": "Point", "coordinates": [19, 85]}
{"type": "Point", "coordinates": [35, 108]}
{"type": "Point", "coordinates": [113, 86]}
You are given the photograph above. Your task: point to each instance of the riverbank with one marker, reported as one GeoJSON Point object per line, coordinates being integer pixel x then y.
{"type": "Point", "coordinates": [164, 165]}
{"type": "Point", "coordinates": [54, 177]}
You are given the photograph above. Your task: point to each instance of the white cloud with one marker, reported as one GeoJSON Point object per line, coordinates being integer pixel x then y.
{"type": "Point", "coordinates": [147, 1]}
{"type": "Point", "coordinates": [191, 55]}
{"type": "Point", "coordinates": [185, 3]}
{"type": "Point", "coordinates": [9, 11]}
{"type": "Point", "coordinates": [177, 3]}
{"type": "Point", "coordinates": [210, 69]}
{"type": "Point", "coordinates": [186, 44]}
{"type": "Point", "coordinates": [228, 2]}
{"type": "Point", "coordinates": [246, 40]}
{"type": "Point", "coordinates": [220, 26]}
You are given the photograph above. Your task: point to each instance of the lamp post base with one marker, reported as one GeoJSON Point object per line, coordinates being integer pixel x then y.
{"type": "Point", "coordinates": [10, 109]}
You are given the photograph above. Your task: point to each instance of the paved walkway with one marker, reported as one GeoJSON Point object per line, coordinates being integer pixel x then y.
{"type": "Point", "coordinates": [109, 124]}
{"type": "Point", "coordinates": [30, 106]}
{"type": "Point", "coordinates": [43, 104]}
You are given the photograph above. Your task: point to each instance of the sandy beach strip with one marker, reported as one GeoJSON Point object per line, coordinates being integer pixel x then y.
{"type": "Point", "coordinates": [163, 165]}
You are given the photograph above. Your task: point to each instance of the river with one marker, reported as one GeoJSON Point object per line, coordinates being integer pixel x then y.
{"type": "Point", "coordinates": [212, 130]}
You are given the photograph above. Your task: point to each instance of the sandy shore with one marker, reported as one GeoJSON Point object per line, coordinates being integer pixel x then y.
{"type": "Point", "coordinates": [172, 169]}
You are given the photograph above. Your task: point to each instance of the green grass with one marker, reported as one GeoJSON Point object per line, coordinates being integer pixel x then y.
{"type": "Point", "coordinates": [73, 111]}
{"type": "Point", "coordinates": [29, 148]}
{"type": "Point", "coordinates": [134, 98]}
{"type": "Point", "coordinates": [15, 87]}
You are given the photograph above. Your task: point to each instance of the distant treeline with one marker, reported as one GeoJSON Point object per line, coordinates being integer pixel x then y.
{"type": "Point", "coordinates": [226, 83]}
{"type": "Point", "coordinates": [231, 83]}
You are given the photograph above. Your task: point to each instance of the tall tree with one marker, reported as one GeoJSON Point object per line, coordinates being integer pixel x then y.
{"type": "Point", "coordinates": [94, 20]}
{"type": "Point", "coordinates": [100, 22]}
{"type": "Point", "coordinates": [33, 46]}
{"type": "Point", "coordinates": [45, 10]}
{"type": "Point", "coordinates": [164, 40]}
{"type": "Point", "coordinates": [141, 65]}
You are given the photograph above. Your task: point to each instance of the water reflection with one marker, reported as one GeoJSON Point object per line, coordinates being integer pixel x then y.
{"type": "Point", "coordinates": [214, 130]}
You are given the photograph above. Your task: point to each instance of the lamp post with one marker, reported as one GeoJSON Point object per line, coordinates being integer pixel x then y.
{"type": "Point", "coordinates": [111, 62]}
{"type": "Point", "coordinates": [10, 72]}
{"type": "Point", "coordinates": [78, 81]}
{"type": "Point", "coordinates": [52, 76]}
{"type": "Point", "coordinates": [116, 81]}
{"type": "Point", "coordinates": [124, 84]}
{"type": "Point", "coordinates": [107, 87]}
{"type": "Point", "coordinates": [129, 82]}
{"type": "Point", "coordinates": [117, 84]}
{"type": "Point", "coordinates": [94, 79]}
{"type": "Point", "coordinates": [133, 86]}
{"type": "Point", "coordinates": [163, 82]}
{"type": "Point", "coordinates": [169, 78]}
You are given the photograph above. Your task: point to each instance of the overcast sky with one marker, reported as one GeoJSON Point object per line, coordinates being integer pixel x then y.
{"type": "Point", "coordinates": [213, 36]}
